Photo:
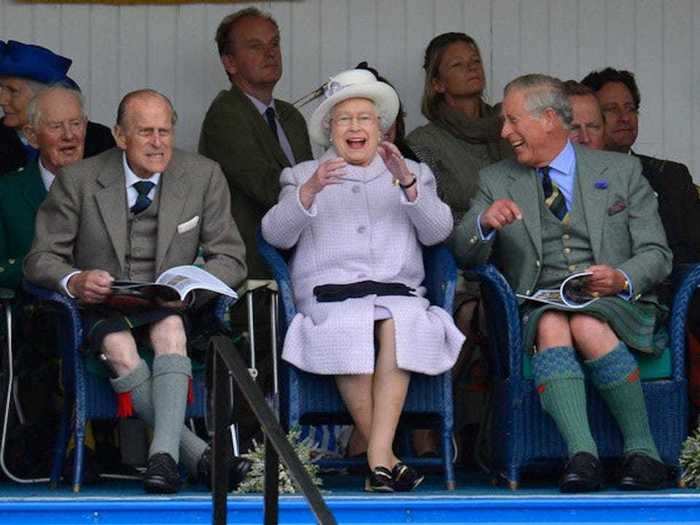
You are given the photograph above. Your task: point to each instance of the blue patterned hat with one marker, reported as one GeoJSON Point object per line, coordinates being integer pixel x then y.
{"type": "Point", "coordinates": [32, 62]}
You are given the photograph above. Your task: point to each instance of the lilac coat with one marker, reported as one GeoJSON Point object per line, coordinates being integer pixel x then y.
{"type": "Point", "coordinates": [363, 228]}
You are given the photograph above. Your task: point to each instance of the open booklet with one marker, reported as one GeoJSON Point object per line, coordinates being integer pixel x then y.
{"type": "Point", "coordinates": [177, 283]}
{"type": "Point", "coordinates": [571, 293]}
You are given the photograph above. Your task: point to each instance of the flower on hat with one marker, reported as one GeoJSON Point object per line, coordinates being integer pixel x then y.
{"type": "Point", "coordinates": [332, 87]}
{"type": "Point", "coordinates": [601, 184]}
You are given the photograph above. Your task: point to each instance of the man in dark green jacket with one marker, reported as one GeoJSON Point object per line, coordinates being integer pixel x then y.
{"type": "Point", "coordinates": [57, 127]}
{"type": "Point", "coordinates": [252, 135]}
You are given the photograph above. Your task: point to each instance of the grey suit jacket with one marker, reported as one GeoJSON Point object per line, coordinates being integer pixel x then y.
{"type": "Point", "coordinates": [82, 224]}
{"type": "Point", "coordinates": [235, 135]}
{"type": "Point", "coordinates": [620, 211]}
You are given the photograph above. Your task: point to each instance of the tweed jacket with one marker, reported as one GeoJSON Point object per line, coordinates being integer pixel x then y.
{"type": "Point", "coordinates": [21, 194]}
{"type": "Point", "coordinates": [620, 211]}
{"type": "Point", "coordinates": [679, 206]}
{"type": "Point", "coordinates": [235, 135]}
{"type": "Point", "coordinates": [98, 138]}
{"type": "Point", "coordinates": [362, 229]}
{"type": "Point", "coordinates": [82, 224]}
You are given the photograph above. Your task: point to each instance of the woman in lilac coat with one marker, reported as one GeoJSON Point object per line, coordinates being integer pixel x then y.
{"type": "Point", "coordinates": [357, 218]}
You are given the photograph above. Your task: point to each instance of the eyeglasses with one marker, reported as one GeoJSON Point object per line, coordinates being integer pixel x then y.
{"type": "Point", "coordinates": [363, 120]}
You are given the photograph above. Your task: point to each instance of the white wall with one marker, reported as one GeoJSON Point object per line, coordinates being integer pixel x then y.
{"type": "Point", "coordinates": [171, 48]}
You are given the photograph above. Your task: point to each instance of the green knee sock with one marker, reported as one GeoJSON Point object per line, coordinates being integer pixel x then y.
{"type": "Point", "coordinates": [616, 376]}
{"type": "Point", "coordinates": [171, 376]}
{"type": "Point", "coordinates": [139, 383]}
{"type": "Point", "coordinates": [559, 380]}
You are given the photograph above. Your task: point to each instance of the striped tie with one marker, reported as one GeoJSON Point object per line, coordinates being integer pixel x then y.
{"type": "Point", "coordinates": [553, 198]}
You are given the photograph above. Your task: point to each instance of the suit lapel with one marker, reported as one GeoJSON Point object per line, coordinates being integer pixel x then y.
{"type": "Point", "coordinates": [523, 190]}
{"type": "Point", "coordinates": [33, 190]}
{"type": "Point", "coordinates": [262, 130]}
{"type": "Point", "coordinates": [594, 199]}
{"type": "Point", "coordinates": [111, 201]}
{"type": "Point", "coordinates": [297, 137]}
{"type": "Point", "coordinates": [172, 201]}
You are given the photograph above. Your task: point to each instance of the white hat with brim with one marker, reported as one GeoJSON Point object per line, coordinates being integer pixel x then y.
{"type": "Point", "coordinates": [354, 83]}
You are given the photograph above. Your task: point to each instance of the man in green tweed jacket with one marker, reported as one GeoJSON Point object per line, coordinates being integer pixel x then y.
{"type": "Point", "coordinates": [249, 133]}
{"type": "Point", "coordinates": [253, 136]}
{"type": "Point", "coordinates": [556, 210]}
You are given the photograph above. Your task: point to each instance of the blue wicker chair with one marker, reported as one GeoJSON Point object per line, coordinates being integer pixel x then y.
{"type": "Point", "coordinates": [523, 436]}
{"type": "Point", "coordinates": [88, 396]}
{"type": "Point", "coordinates": [309, 399]}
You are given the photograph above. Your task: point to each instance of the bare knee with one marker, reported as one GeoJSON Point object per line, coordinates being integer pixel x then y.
{"type": "Point", "coordinates": [120, 350]}
{"type": "Point", "coordinates": [168, 336]}
{"type": "Point", "coordinates": [586, 329]}
{"type": "Point", "coordinates": [553, 330]}
{"type": "Point", "coordinates": [592, 337]}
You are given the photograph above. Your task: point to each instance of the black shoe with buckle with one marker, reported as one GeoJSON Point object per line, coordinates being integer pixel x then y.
{"type": "Point", "coordinates": [582, 473]}
{"type": "Point", "coordinates": [162, 475]}
{"type": "Point", "coordinates": [641, 472]}
{"type": "Point", "coordinates": [238, 468]}
{"type": "Point", "coordinates": [379, 480]}
{"type": "Point", "coordinates": [405, 477]}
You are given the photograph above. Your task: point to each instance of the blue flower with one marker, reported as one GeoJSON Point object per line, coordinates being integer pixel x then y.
{"type": "Point", "coordinates": [601, 184]}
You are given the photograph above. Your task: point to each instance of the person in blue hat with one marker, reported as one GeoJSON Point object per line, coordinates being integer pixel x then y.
{"type": "Point", "coordinates": [26, 69]}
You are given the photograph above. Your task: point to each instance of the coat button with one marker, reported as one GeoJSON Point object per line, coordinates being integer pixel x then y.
{"type": "Point", "coordinates": [567, 250]}
{"type": "Point", "coordinates": [572, 267]}
{"type": "Point", "coordinates": [11, 261]}
{"type": "Point", "coordinates": [356, 189]}
{"type": "Point", "coordinates": [538, 263]}
{"type": "Point", "coordinates": [566, 236]}
{"type": "Point", "coordinates": [2, 269]}
{"type": "Point", "coordinates": [361, 229]}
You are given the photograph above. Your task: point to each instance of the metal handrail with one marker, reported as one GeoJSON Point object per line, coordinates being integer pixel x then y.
{"type": "Point", "coordinates": [227, 365]}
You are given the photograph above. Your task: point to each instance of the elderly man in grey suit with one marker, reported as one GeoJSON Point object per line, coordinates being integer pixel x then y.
{"type": "Point", "coordinates": [132, 213]}
{"type": "Point", "coordinates": [556, 210]}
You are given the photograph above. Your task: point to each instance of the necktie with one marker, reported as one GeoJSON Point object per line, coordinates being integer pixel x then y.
{"type": "Point", "coordinates": [270, 117]}
{"type": "Point", "coordinates": [143, 187]}
{"type": "Point", "coordinates": [553, 198]}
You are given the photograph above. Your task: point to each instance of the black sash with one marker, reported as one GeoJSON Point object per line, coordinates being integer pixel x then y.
{"type": "Point", "coordinates": [330, 293]}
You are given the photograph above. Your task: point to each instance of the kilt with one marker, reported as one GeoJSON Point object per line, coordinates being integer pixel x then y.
{"type": "Point", "coordinates": [639, 324]}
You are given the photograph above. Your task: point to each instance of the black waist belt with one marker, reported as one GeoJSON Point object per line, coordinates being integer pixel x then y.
{"type": "Point", "coordinates": [330, 293]}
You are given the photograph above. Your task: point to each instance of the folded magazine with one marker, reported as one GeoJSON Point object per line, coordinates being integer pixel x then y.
{"type": "Point", "coordinates": [179, 283]}
{"type": "Point", "coordinates": [571, 293]}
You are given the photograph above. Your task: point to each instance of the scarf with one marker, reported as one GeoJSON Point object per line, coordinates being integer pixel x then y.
{"type": "Point", "coordinates": [483, 130]}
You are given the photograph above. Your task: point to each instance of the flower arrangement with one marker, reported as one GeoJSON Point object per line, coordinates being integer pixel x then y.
{"type": "Point", "coordinates": [690, 460]}
{"type": "Point", "coordinates": [305, 449]}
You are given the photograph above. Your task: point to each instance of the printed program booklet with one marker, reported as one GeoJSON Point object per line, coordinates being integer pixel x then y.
{"type": "Point", "coordinates": [177, 283]}
{"type": "Point", "coordinates": [571, 293]}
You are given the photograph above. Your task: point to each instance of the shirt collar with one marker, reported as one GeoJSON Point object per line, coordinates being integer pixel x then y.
{"type": "Point", "coordinates": [22, 138]}
{"type": "Point", "coordinates": [132, 178]}
{"type": "Point", "coordinates": [260, 106]}
{"type": "Point", "coordinates": [566, 160]}
{"type": "Point", "coordinates": [46, 176]}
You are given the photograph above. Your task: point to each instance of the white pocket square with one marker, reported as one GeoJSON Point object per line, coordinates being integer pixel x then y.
{"type": "Point", "coordinates": [187, 226]}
